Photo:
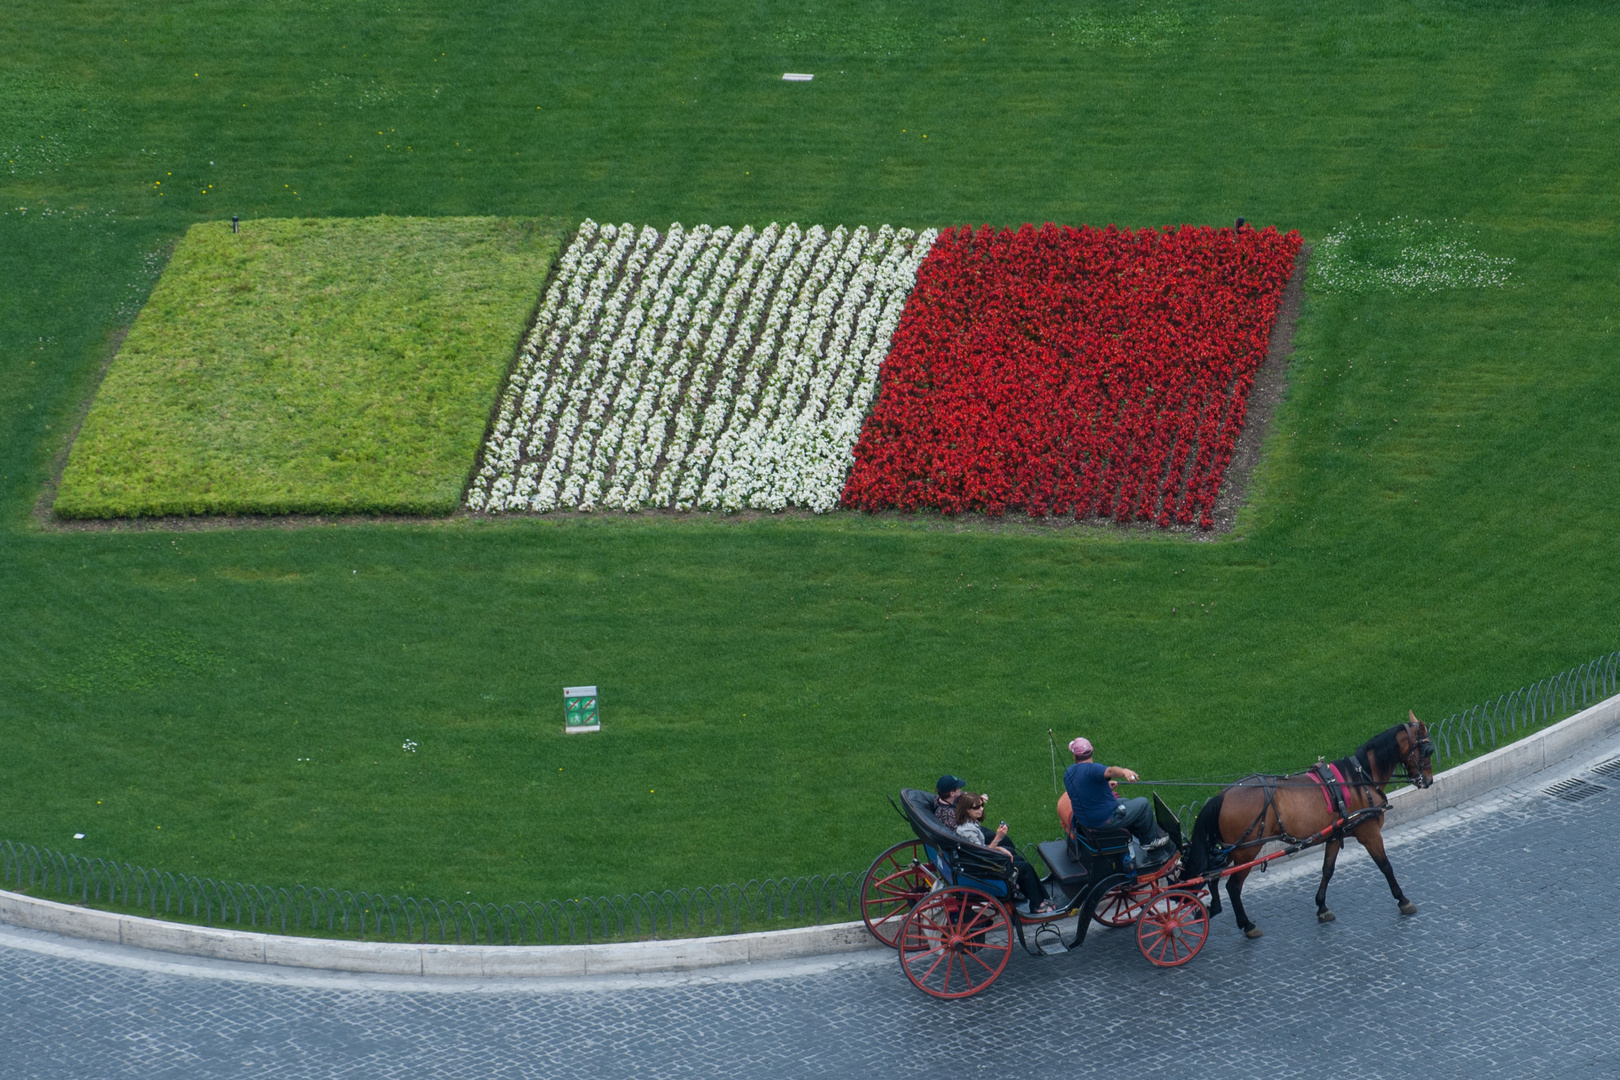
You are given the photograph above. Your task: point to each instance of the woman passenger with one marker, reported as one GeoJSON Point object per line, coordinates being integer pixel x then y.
{"type": "Point", "coordinates": [970, 827]}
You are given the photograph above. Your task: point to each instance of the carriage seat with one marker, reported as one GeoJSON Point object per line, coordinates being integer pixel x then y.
{"type": "Point", "coordinates": [935, 835]}
{"type": "Point", "coordinates": [1090, 841]}
{"type": "Point", "coordinates": [1102, 841]}
{"type": "Point", "coordinates": [921, 805]}
{"type": "Point", "coordinates": [975, 865]}
{"type": "Point", "coordinates": [1065, 868]}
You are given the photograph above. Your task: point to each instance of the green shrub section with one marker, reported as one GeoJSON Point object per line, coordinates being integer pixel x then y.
{"type": "Point", "coordinates": [310, 366]}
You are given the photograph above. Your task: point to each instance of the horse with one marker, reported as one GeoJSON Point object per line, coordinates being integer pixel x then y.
{"type": "Point", "coordinates": [1234, 824]}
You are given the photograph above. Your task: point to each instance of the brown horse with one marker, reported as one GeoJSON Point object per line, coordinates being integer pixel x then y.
{"type": "Point", "coordinates": [1235, 823]}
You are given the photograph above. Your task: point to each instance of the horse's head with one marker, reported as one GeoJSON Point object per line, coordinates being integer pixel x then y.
{"type": "Point", "coordinates": [1417, 751]}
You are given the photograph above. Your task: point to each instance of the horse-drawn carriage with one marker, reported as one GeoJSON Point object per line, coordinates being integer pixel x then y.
{"type": "Point", "coordinates": [948, 905]}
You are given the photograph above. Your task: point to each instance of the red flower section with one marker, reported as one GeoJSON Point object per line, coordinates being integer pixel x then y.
{"type": "Point", "coordinates": [1072, 371]}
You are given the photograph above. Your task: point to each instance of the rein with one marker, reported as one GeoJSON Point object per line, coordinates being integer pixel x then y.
{"type": "Point", "coordinates": [1419, 750]}
{"type": "Point", "coordinates": [1280, 781]}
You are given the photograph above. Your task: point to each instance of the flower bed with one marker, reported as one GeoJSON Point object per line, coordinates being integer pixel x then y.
{"type": "Point", "coordinates": [704, 368]}
{"type": "Point", "coordinates": [1073, 371]}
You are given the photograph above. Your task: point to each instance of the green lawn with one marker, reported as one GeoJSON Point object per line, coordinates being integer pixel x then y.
{"type": "Point", "coordinates": [310, 366]}
{"type": "Point", "coordinates": [1432, 523]}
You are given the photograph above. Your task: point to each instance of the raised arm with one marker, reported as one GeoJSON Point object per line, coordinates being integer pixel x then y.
{"type": "Point", "coordinates": [1114, 772]}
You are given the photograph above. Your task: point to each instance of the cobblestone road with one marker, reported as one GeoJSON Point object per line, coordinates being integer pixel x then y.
{"type": "Point", "coordinates": [1508, 970]}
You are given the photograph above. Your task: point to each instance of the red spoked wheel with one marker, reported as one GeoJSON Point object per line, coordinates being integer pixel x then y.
{"type": "Point", "coordinates": [956, 942]}
{"type": "Point", "coordinates": [1120, 907]}
{"type": "Point", "coordinates": [897, 880]}
{"type": "Point", "coordinates": [1172, 927]}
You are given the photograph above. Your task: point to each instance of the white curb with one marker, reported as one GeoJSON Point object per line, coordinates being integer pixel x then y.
{"type": "Point", "coordinates": [1469, 780]}
{"type": "Point", "coordinates": [395, 958]}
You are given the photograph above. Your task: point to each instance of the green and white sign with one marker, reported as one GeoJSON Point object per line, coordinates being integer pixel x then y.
{"type": "Point", "coordinates": [579, 710]}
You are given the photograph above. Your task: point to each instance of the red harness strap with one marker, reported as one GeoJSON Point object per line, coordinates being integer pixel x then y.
{"type": "Point", "coordinates": [1327, 796]}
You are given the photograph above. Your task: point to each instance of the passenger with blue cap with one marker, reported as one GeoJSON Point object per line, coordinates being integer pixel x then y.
{"type": "Point", "coordinates": [948, 790]}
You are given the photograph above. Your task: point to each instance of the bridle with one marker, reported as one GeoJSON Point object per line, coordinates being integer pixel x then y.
{"type": "Point", "coordinates": [1419, 752]}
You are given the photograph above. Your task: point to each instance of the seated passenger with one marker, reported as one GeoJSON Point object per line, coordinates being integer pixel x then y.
{"type": "Point", "coordinates": [948, 790]}
{"type": "Point", "coordinates": [970, 811]}
{"type": "Point", "coordinates": [1095, 805]}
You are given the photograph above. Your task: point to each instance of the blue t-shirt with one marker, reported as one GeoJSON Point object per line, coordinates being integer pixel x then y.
{"type": "Point", "coordinates": [1090, 797]}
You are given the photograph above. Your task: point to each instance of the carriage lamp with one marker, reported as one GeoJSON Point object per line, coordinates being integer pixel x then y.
{"type": "Point", "coordinates": [580, 710]}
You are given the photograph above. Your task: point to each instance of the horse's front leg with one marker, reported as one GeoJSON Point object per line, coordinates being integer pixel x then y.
{"type": "Point", "coordinates": [1329, 858]}
{"type": "Point", "coordinates": [1372, 838]}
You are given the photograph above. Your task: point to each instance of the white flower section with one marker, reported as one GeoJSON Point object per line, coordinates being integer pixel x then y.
{"type": "Point", "coordinates": [708, 368]}
{"type": "Point", "coordinates": [1404, 255]}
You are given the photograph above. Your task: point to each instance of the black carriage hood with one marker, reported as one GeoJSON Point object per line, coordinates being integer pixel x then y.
{"type": "Point", "coordinates": [918, 806]}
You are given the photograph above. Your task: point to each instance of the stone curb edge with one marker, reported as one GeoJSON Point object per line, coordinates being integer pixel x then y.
{"type": "Point", "coordinates": [398, 958]}
{"type": "Point", "coordinates": [1503, 765]}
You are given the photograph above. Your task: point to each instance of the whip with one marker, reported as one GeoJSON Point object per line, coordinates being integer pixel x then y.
{"type": "Point", "coordinates": [1052, 741]}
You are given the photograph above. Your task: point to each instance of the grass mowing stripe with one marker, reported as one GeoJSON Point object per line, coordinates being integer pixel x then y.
{"type": "Point", "coordinates": [771, 679]}
{"type": "Point", "coordinates": [315, 366]}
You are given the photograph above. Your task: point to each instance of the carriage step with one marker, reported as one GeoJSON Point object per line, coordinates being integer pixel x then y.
{"type": "Point", "coordinates": [1049, 941]}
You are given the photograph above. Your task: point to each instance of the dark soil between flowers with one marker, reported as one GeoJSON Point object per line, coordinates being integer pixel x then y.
{"type": "Point", "coordinates": [1270, 385]}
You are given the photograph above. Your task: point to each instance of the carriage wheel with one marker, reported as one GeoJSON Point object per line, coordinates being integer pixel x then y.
{"type": "Point", "coordinates": [1172, 927]}
{"type": "Point", "coordinates": [956, 942]}
{"type": "Point", "coordinates": [897, 880]}
{"type": "Point", "coordinates": [1120, 906]}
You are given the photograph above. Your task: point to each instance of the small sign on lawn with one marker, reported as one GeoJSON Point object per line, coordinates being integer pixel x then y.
{"type": "Point", "coordinates": [579, 710]}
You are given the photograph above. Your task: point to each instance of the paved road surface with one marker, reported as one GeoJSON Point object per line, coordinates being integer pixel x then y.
{"type": "Point", "coordinates": [1509, 969]}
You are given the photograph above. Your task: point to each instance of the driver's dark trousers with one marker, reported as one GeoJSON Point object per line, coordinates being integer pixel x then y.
{"type": "Point", "coordinates": [1137, 816]}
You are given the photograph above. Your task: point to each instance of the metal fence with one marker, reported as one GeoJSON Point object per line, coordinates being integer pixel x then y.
{"type": "Point", "coordinates": [1484, 727]}
{"type": "Point", "coordinates": [391, 917]}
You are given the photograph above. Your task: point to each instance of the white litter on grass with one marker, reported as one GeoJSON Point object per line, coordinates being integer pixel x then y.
{"type": "Point", "coordinates": [78, 836]}
{"type": "Point", "coordinates": [794, 76]}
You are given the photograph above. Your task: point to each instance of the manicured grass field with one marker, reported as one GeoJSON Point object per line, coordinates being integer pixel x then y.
{"type": "Point", "coordinates": [1432, 522]}
{"type": "Point", "coordinates": [310, 366]}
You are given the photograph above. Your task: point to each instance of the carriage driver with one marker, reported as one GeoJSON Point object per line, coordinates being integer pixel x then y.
{"type": "Point", "coordinates": [1096, 806]}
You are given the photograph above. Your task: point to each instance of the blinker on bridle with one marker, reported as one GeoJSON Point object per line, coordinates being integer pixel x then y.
{"type": "Point", "coordinates": [1419, 752]}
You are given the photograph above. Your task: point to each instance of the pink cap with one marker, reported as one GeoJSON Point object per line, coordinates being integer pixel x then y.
{"type": "Point", "coordinates": [1080, 748]}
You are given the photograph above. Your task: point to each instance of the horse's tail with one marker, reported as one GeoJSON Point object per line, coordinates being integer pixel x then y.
{"type": "Point", "coordinates": [1206, 834]}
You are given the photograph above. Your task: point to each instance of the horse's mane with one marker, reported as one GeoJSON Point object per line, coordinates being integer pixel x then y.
{"type": "Point", "coordinates": [1385, 746]}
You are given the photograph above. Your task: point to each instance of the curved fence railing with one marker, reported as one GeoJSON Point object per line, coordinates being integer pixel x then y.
{"type": "Point", "coordinates": [391, 917]}
{"type": "Point", "coordinates": [1484, 727]}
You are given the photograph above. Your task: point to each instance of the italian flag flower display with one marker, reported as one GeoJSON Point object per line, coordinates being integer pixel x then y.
{"type": "Point", "coordinates": [1056, 371]}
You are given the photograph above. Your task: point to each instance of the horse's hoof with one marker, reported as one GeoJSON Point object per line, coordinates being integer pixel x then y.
{"type": "Point", "coordinates": [1325, 916]}
{"type": "Point", "coordinates": [1408, 908]}
{"type": "Point", "coordinates": [1253, 932]}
